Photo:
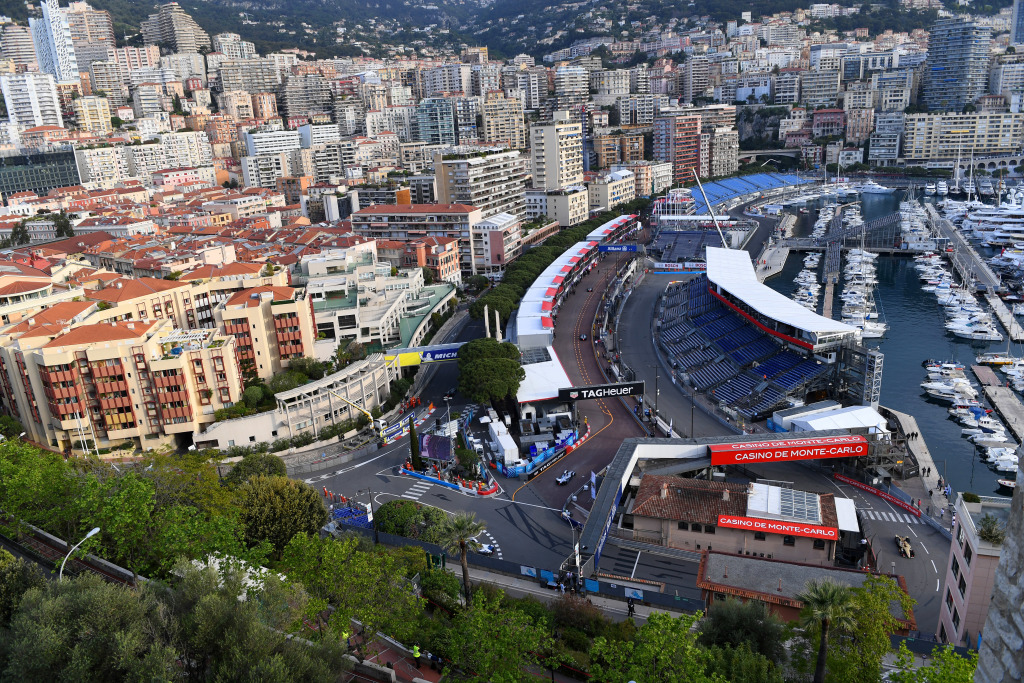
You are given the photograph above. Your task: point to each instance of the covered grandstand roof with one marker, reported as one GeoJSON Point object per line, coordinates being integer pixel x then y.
{"type": "Point", "coordinates": [732, 270]}
{"type": "Point", "coordinates": [730, 188]}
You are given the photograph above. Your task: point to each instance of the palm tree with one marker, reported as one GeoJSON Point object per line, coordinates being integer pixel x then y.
{"type": "Point", "coordinates": [459, 534]}
{"type": "Point", "coordinates": [830, 605]}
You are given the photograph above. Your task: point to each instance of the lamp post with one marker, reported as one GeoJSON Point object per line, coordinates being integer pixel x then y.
{"type": "Point", "coordinates": [369, 509]}
{"type": "Point", "coordinates": [93, 532]}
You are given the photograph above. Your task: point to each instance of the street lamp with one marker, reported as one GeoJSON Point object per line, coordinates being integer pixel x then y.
{"type": "Point", "coordinates": [60, 574]}
{"type": "Point", "coordinates": [369, 510]}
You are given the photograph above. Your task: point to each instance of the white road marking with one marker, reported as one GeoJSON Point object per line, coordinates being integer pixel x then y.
{"type": "Point", "coordinates": [632, 573]}
{"type": "Point", "coordinates": [934, 567]}
{"type": "Point", "coordinates": [936, 585]}
{"type": "Point", "coordinates": [912, 530]}
{"type": "Point", "coordinates": [925, 549]}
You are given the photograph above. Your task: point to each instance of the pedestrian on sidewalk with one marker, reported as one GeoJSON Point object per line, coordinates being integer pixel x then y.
{"type": "Point", "coordinates": [630, 608]}
{"type": "Point", "coordinates": [942, 513]}
{"type": "Point", "coordinates": [416, 655]}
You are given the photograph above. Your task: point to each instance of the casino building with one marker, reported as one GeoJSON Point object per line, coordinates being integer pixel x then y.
{"type": "Point", "coordinates": [756, 520]}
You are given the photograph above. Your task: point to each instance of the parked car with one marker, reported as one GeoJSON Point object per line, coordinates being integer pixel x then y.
{"type": "Point", "coordinates": [565, 477]}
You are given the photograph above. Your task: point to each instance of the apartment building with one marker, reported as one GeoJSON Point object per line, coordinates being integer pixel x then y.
{"type": "Point", "coordinates": [819, 88]}
{"type": "Point", "coordinates": [497, 241]}
{"type": "Point", "coordinates": [144, 383]}
{"type": "Point", "coordinates": [970, 571]}
{"type": "Point", "coordinates": [92, 114]}
{"type": "Point", "coordinates": [940, 136]}
{"type": "Point", "coordinates": [956, 73]}
{"type": "Point", "coordinates": [567, 206]}
{"type": "Point", "coordinates": [271, 325]}
{"type": "Point", "coordinates": [605, 192]}
{"type": "Point", "coordinates": [171, 26]}
{"type": "Point", "coordinates": [556, 152]}
{"type": "Point", "coordinates": [677, 141]}
{"type": "Point", "coordinates": [503, 122]}
{"type": "Point", "coordinates": [31, 100]}
{"type": "Point", "coordinates": [490, 179]}
{"type": "Point", "coordinates": [652, 177]}
{"type": "Point", "coordinates": [616, 149]}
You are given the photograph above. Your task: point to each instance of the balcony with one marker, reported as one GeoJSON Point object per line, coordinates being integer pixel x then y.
{"type": "Point", "coordinates": [115, 402]}
{"type": "Point", "coordinates": [63, 410]}
{"type": "Point", "coordinates": [107, 370]}
{"type": "Point", "coordinates": [173, 397]}
{"type": "Point", "coordinates": [176, 413]}
{"type": "Point", "coordinates": [290, 349]}
{"type": "Point", "coordinates": [286, 321]}
{"type": "Point", "coordinates": [111, 387]}
{"type": "Point", "coordinates": [284, 337]}
{"type": "Point", "coordinates": [54, 376]}
{"type": "Point", "coordinates": [53, 393]}
{"type": "Point", "coordinates": [175, 380]}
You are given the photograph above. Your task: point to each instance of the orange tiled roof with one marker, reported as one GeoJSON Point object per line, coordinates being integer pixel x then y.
{"type": "Point", "coordinates": [101, 332]}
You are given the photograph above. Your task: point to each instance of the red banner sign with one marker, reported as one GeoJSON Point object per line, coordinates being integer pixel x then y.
{"type": "Point", "coordinates": [790, 449]}
{"type": "Point", "coordinates": [912, 509]}
{"type": "Point", "coordinates": [776, 526]}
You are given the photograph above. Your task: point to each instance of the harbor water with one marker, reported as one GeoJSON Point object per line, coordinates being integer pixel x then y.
{"type": "Point", "coordinates": [916, 333]}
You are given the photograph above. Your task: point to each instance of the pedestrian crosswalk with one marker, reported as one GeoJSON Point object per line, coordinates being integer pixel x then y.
{"type": "Point", "coordinates": [416, 490]}
{"type": "Point", "coordinates": [897, 517]}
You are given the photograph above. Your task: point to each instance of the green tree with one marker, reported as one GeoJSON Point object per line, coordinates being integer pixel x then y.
{"type": "Point", "coordinates": [459, 535]}
{"type": "Point", "coordinates": [123, 509]}
{"type": "Point", "coordinates": [367, 586]}
{"type": "Point", "coordinates": [494, 644]}
{"type": "Point", "coordinates": [9, 427]}
{"type": "Point", "coordinates": [88, 629]}
{"type": "Point", "coordinates": [255, 465]}
{"type": "Point", "coordinates": [489, 370]}
{"type": "Point", "coordinates": [858, 657]}
{"type": "Point", "coordinates": [742, 664]}
{"type": "Point", "coordinates": [428, 276]}
{"type": "Point", "coordinates": [733, 623]}
{"type": "Point", "coordinates": [234, 623]}
{"type": "Point", "coordinates": [17, 577]}
{"type": "Point", "coordinates": [19, 234]}
{"type": "Point", "coordinates": [827, 605]}
{"type": "Point", "coordinates": [310, 367]}
{"type": "Point", "coordinates": [664, 649]}
{"type": "Point", "coordinates": [275, 509]}
{"type": "Point", "coordinates": [991, 530]}
{"type": "Point", "coordinates": [62, 225]}
{"type": "Point", "coordinates": [946, 666]}
{"type": "Point", "coordinates": [252, 396]}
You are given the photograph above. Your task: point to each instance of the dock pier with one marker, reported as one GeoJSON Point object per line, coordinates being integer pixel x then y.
{"type": "Point", "coordinates": [971, 268]}
{"type": "Point", "coordinates": [1009, 407]}
{"type": "Point", "coordinates": [1005, 317]}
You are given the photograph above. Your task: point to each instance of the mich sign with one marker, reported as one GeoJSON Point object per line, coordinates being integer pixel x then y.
{"type": "Point", "coordinates": [788, 449]}
{"type": "Point", "coordinates": [601, 391]}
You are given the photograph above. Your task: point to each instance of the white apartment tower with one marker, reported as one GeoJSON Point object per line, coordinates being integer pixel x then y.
{"type": "Point", "coordinates": [54, 47]}
{"type": "Point", "coordinates": [556, 152]}
{"type": "Point", "coordinates": [31, 100]}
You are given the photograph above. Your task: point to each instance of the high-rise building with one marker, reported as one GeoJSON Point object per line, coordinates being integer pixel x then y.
{"type": "Point", "coordinates": [436, 121]}
{"type": "Point", "coordinates": [37, 173]}
{"type": "Point", "coordinates": [493, 181]}
{"type": "Point", "coordinates": [92, 32]}
{"type": "Point", "coordinates": [92, 114]}
{"type": "Point", "coordinates": [503, 121]}
{"type": "Point", "coordinates": [232, 46]}
{"type": "Point", "coordinates": [1017, 24]}
{"type": "Point", "coordinates": [556, 152]}
{"type": "Point", "coordinates": [448, 79]}
{"type": "Point", "coordinates": [940, 136]}
{"type": "Point", "coordinates": [106, 77]}
{"type": "Point", "coordinates": [677, 140]}
{"type": "Point", "coordinates": [172, 27]}
{"type": "Point", "coordinates": [251, 75]}
{"type": "Point", "coordinates": [54, 47]}
{"type": "Point", "coordinates": [31, 100]}
{"type": "Point", "coordinates": [572, 87]}
{"type": "Point", "coordinates": [956, 72]}
{"type": "Point", "coordinates": [305, 95]}
{"type": "Point", "coordinates": [264, 105]}
{"type": "Point", "coordinates": [16, 44]}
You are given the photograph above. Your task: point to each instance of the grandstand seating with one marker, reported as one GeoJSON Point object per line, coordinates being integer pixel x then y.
{"type": "Point", "coordinates": [736, 389]}
{"type": "Point", "coordinates": [730, 188]}
{"type": "Point", "coordinates": [352, 516]}
{"type": "Point", "coordinates": [713, 374]}
{"type": "Point", "coordinates": [754, 352]}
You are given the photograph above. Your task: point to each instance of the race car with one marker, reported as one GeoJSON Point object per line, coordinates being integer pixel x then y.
{"type": "Point", "coordinates": [565, 477]}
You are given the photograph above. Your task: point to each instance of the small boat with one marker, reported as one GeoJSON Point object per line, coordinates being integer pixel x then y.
{"type": "Point", "coordinates": [996, 359]}
{"type": "Point", "coordinates": [1007, 483]}
{"type": "Point", "coordinates": [941, 188]}
{"type": "Point", "coordinates": [929, 188]}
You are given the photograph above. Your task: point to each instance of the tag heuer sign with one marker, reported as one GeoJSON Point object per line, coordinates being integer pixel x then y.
{"type": "Point", "coordinates": [601, 391]}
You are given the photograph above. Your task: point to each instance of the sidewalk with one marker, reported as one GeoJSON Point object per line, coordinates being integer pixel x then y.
{"type": "Point", "coordinates": [613, 608]}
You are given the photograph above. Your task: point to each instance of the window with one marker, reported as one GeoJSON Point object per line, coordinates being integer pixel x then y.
{"type": "Point", "coordinates": [683, 526]}
{"type": "Point", "coordinates": [819, 544]}
{"type": "Point", "coordinates": [252, 439]}
{"type": "Point", "coordinates": [955, 568]}
{"type": "Point", "coordinates": [962, 586]}
{"type": "Point", "coordinates": [760, 536]}
{"type": "Point", "coordinates": [960, 535]}
{"type": "Point", "coordinates": [695, 527]}
{"type": "Point", "coordinates": [956, 619]}
{"type": "Point", "coordinates": [789, 540]}
{"type": "Point", "coordinates": [968, 553]}
{"type": "Point", "coordinates": [949, 601]}
{"type": "Point", "coordinates": [942, 634]}
{"type": "Point", "coordinates": [709, 529]}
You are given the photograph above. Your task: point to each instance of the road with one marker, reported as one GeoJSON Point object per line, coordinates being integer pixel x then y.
{"type": "Point", "coordinates": [609, 420]}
